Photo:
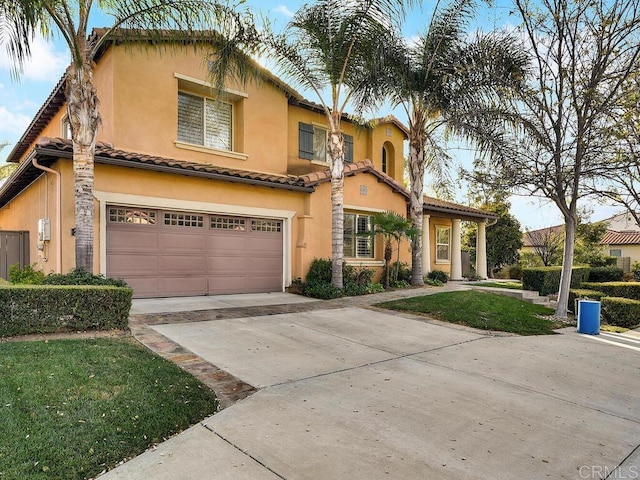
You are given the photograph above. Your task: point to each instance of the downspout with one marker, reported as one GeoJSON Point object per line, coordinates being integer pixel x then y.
{"type": "Point", "coordinates": [35, 163]}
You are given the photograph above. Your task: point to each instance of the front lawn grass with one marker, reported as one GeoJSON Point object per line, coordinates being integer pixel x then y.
{"type": "Point", "coordinates": [70, 409]}
{"type": "Point", "coordinates": [509, 285]}
{"type": "Point", "coordinates": [484, 310]}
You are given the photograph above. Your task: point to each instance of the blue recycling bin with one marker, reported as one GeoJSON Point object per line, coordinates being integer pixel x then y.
{"type": "Point", "coordinates": [589, 317]}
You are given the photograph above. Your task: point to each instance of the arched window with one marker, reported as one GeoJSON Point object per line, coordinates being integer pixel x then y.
{"type": "Point", "coordinates": [384, 160]}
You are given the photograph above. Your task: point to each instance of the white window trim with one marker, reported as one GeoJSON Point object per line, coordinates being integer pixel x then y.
{"type": "Point", "coordinates": [197, 85]}
{"type": "Point", "coordinates": [357, 259]}
{"type": "Point", "coordinates": [203, 149]}
{"type": "Point", "coordinates": [64, 133]}
{"type": "Point", "coordinates": [140, 201]}
{"type": "Point", "coordinates": [621, 252]}
{"type": "Point", "coordinates": [440, 261]}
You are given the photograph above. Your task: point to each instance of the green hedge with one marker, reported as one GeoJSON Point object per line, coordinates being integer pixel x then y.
{"type": "Point", "coordinates": [546, 280]}
{"type": "Point", "coordinates": [605, 274]}
{"type": "Point", "coordinates": [621, 312]}
{"type": "Point", "coordinates": [26, 309]}
{"type": "Point", "coordinates": [629, 290]}
{"type": "Point", "coordinates": [580, 293]}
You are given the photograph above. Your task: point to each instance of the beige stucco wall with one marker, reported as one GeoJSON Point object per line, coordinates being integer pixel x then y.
{"type": "Point", "coordinates": [315, 225]}
{"type": "Point", "coordinates": [631, 251]}
{"type": "Point", "coordinates": [433, 223]}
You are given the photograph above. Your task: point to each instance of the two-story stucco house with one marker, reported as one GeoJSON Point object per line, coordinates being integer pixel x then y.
{"type": "Point", "coordinates": [199, 194]}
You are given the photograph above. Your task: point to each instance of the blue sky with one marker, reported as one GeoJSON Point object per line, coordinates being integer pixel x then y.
{"type": "Point", "coordinates": [20, 99]}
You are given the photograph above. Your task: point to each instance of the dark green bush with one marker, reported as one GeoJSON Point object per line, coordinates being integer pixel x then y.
{"type": "Point", "coordinates": [515, 272]}
{"type": "Point", "coordinates": [25, 276]}
{"type": "Point", "coordinates": [319, 271]}
{"type": "Point", "coordinates": [26, 309]}
{"type": "Point", "coordinates": [79, 276]}
{"type": "Point", "coordinates": [605, 274]}
{"type": "Point", "coordinates": [622, 312]}
{"type": "Point", "coordinates": [546, 280]}
{"type": "Point", "coordinates": [579, 293]}
{"type": "Point", "coordinates": [399, 275]}
{"type": "Point", "coordinates": [629, 290]}
{"type": "Point", "coordinates": [438, 275]}
{"type": "Point", "coordinates": [318, 282]}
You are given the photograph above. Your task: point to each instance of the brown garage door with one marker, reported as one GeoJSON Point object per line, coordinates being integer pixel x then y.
{"type": "Point", "coordinates": [167, 253]}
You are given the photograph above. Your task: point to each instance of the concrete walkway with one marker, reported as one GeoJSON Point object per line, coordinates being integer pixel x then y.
{"type": "Point", "coordinates": [344, 391]}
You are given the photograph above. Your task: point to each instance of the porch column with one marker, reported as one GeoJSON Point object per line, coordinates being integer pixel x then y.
{"type": "Point", "coordinates": [426, 246]}
{"type": "Point", "coordinates": [481, 250]}
{"type": "Point", "coordinates": [456, 251]}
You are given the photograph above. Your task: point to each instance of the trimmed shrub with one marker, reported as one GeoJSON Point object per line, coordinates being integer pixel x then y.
{"type": "Point", "coordinates": [318, 282]}
{"type": "Point", "coordinates": [629, 290]}
{"type": "Point", "coordinates": [438, 275]}
{"type": "Point", "coordinates": [25, 276]}
{"type": "Point", "coordinates": [79, 276]}
{"type": "Point", "coordinates": [546, 280]}
{"type": "Point", "coordinates": [579, 294]}
{"type": "Point", "coordinates": [399, 275]}
{"type": "Point", "coordinates": [622, 312]}
{"type": "Point", "coordinates": [27, 309]}
{"type": "Point", "coordinates": [605, 274]}
{"type": "Point", "coordinates": [515, 272]}
{"type": "Point", "coordinates": [319, 271]}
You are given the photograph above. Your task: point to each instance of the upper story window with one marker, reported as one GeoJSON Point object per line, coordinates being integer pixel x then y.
{"type": "Point", "coordinates": [205, 121]}
{"type": "Point", "coordinates": [443, 243]}
{"type": "Point", "coordinates": [356, 245]}
{"type": "Point", "coordinates": [615, 252]}
{"type": "Point", "coordinates": [384, 160]}
{"type": "Point", "coordinates": [312, 143]}
{"type": "Point", "coordinates": [66, 128]}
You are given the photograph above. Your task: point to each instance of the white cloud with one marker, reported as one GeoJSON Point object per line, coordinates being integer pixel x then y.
{"type": "Point", "coordinates": [45, 64]}
{"type": "Point", "coordinates": [11, 122]}
{"type": "Point", "coordinates": [283, 10]}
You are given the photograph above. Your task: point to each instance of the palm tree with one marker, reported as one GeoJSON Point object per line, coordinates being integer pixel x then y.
{"type": "Point", "coordinates": [445, 82]}
{"type": "Point", "coordinates": [391, 226]}
{"type": "Point", "coordinates": [21, 20]}
{"type": "Point", "coordinates": [333, 49]}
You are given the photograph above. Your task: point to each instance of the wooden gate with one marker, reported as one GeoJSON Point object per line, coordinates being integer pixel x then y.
{"type": "Point", "coordinates": [14, 248]}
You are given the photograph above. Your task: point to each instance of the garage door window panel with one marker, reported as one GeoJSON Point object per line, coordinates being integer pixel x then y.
{"type": "Point", "coordinates": [227, 223]}
{"type": "Point", "coordinates": [125, 215]}
{"type": "Point", "coordinates": [183, 220]}
{"type": "Point", "coordinates": [271, 226]}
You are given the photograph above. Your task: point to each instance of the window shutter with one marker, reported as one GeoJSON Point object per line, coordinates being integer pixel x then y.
{"type": "Point", "coordinates": [305, 141]}
{"type": "Point", "coordinates": [190, 118]}
{"type": "Point", "coordinates": [348, 149]}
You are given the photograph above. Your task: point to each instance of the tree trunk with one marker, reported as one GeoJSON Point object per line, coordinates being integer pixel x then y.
{"type": "Point", "coordinates": [82, 109]}
{"type": "Point", "coordinates": [416, 177]}
{"type": "Point", "coordinates": [388, 253]}
{"type": "Point", "coordinates": [336, 152]}
{"type": "Point", "coordinates": [570, 224]}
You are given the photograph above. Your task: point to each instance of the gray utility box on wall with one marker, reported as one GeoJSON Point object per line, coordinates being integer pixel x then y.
{"type": "Point", "coordinates": [14, 248]}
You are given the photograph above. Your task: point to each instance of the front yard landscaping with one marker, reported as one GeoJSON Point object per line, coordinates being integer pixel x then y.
{"type": "Point", "coordinates": [484, 310]}
{"type": "Point", "coordinates": [73, 408]}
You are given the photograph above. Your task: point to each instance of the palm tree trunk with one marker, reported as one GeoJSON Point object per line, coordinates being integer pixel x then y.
{"type": "Point", "coordinates": [82, 108]}
{"type": "Point", "coordinates": [416, 177]}
{"type": "Point", "coordinates": [336, 152]}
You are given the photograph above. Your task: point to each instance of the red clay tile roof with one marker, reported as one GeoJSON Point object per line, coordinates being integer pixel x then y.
{"type": "Point", "coordinates": [351, 169]}
{"type": "Point", "coordinates": [435, 204]}
{"type": "Point", "coordinates": [621, 238]}
{"type": "Point", "coordinates": [105, 153]}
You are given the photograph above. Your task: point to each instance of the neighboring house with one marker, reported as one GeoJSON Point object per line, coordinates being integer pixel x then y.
{"type": "Point", "coordinates": [621, 240]}
{"type": "Point", "coordinates": [197, 195]}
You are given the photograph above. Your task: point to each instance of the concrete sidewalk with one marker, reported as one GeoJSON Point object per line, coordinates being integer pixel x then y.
{"type": "Point", "coordinates": [347, 392]}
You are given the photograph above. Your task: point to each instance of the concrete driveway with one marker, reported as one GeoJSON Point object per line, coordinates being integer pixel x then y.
{"type": "Point", "coordinates": [355, 393]}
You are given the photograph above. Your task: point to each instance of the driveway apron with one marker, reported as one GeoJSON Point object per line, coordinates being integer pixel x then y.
{"type": "Point", "coordinates": [358, 393]}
